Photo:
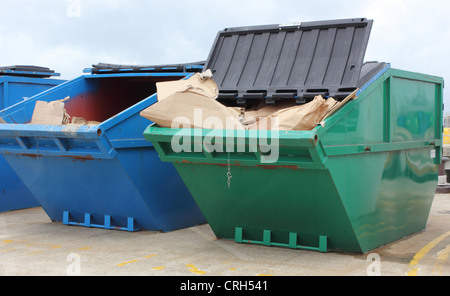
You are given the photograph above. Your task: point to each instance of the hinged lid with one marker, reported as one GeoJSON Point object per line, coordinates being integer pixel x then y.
{"type": "Point", "coordinates": [103, 68]}
{"type": "Point", "coordinates": [292, 61]}
{"type": "Point", "coordinates": [27, 71]}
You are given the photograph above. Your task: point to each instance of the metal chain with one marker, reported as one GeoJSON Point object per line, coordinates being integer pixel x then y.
{"type": "Point", "coordinates": [229, 171]}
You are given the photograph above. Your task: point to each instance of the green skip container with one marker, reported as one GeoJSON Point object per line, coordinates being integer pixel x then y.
{"type": "Point", "coordinates": [365, 177]}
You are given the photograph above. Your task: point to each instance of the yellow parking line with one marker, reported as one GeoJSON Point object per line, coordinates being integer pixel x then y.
{"type": "Point", "coordinates": [128, 262]}
{"type": "Point", "coordinates": [84, 248]}
{"type": "Point", "coordinates": [194, 269]}
{"type": "Point", "coordinates": [133, 261]}
{"type": "Point", "coordinates": [419, 255]}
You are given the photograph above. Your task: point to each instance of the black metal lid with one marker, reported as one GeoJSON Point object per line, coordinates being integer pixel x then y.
{"type": "Point", "coordinates": [27, 71]}
{"type": "Point", "coordinates": [103, 68]}
{"type": "Point", "coordinates": [295, 61]}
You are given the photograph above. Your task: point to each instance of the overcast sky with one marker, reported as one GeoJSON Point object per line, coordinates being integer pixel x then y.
{"type": "Point", "coordinates": [70, 35]}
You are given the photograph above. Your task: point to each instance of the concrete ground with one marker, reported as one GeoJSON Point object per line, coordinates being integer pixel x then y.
{"type": "Point", "coordinates": [30, 244]}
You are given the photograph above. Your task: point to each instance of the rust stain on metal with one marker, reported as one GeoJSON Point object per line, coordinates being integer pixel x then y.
{"type": "Point", "coordinates": [274, 167]}
{"type": "Point", "coordinates": [28, 155]}
{"type": "Point", "coordinates": [266, 167]}
{"type": "Point", "coordinates": [184, 161]}
{"type": "Point", "coordinates": [74, 157]}
{"type": "Point", "coordinates": [79, 157]}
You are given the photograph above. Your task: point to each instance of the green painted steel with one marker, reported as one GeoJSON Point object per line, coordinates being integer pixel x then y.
{"type": "Point", "coordinates": [364, 178]}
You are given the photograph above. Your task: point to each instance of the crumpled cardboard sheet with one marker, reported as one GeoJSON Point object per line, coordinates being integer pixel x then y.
{"type": "Point", "coordinates": [50, 113]}
{"type": "Point", "coordinates": [295, 118]}
{"type": "Point", "coordinates": [54, 113]}
{"type": "Point", "coordinates": [192, 103]}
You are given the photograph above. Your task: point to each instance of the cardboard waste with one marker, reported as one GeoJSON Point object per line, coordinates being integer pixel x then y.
{"type": "Point", "coordinates": [187, 103]}
{"type": "Point", "coordinates": [54, 113]}
{"type": "Point", "coordinates": [192, 103]}
{"type": "Point", "coordinates": [295, 118]}
{"type": "Point", "coordinates": [50, 113]}
{"type": "Point", "coordinates": [203, 81]}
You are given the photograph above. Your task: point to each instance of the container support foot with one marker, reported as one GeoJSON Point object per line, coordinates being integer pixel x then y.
{"type": "Point", "coordinates": [107, 222]}
{"type": "Point", "coordinates": [293, 237]}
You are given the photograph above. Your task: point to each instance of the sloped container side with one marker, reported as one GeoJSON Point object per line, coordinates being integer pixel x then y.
{"type": "Point", "coordinates": [104, 175]}
{"type": "Point", "coordinates": [18, 83]}
{"type": "Point", "coordinates": [363, 178]}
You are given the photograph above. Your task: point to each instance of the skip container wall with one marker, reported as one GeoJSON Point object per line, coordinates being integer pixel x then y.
{"type": "Point", "coordinates": [363, 178]}
{"type": "Point", "coordinates": [18, 83]}
{"type": "Point", "coordinates": [104, 175]}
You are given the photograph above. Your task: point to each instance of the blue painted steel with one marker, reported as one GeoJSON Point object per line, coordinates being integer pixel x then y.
{"type": "Point", "coordinates": [48, 140]}
{"type": "Point", "coordinates": [107, 222]}
{"type": "Point", "coordinates": [14, 195]}
{"type": "Point", "coordinates": [107, 172]}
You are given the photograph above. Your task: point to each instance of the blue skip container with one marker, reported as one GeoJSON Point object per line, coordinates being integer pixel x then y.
{"type": "Point", "coordinates": [104, 175]}
{"type": "Point", "coordinates": [18, 83]}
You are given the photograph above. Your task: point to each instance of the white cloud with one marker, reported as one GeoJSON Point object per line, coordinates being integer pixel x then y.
{"type": "Point", "coordinates": [411, 34]}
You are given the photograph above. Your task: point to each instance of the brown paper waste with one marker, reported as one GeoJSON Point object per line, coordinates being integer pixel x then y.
{"type": "Point", "coordinates": [54, 113]}
{"type": "Point", "coordinates": [191, 103]}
